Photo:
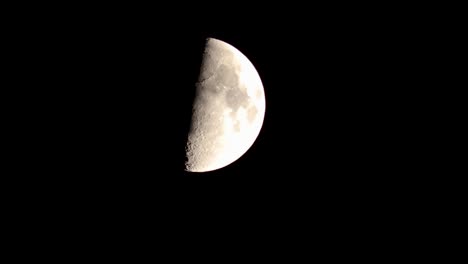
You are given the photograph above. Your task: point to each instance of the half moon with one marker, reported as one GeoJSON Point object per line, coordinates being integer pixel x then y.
{"type": "Point", "coordinates": [228, 109]}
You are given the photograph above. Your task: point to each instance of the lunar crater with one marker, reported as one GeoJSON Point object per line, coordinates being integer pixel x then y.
{"type": "Point", "coordinates": [236, 98]}
{"type": "Point", "coordinates": [252, 113]}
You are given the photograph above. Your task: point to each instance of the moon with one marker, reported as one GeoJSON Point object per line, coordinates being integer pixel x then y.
{"type": "Point", "coordinates": [228, 109]}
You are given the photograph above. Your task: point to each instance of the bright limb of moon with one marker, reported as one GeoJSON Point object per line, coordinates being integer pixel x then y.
{"type": "Point", "coordinates": [228, 109]}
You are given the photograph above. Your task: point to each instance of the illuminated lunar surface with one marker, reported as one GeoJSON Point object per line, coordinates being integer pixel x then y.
{"type": "Point", "coordinates": [228, 109]}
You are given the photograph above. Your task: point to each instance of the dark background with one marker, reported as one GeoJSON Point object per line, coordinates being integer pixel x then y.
{"type": "Point", "coordinates": [113, 90]}
{"type": "Point", "coordinates": [102, 108]}
{"type": "Point", "coordinates": [105, 96]}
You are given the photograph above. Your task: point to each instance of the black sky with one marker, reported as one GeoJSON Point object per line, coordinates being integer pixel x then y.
{"type": "Point", "coordinates": [105, 106]}
{"type": "Point", "coordinates": [119, 88]}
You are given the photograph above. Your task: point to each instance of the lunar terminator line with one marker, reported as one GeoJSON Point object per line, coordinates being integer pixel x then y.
{"type": "Point", "coordinates": [228, 109]}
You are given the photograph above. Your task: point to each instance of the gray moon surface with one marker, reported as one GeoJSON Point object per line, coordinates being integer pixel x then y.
{"type": "Point", "coordinates": [228, 109]}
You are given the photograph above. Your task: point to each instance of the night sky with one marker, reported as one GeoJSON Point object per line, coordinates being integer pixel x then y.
{"type": "Point", "coordinates": [119, 91]}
